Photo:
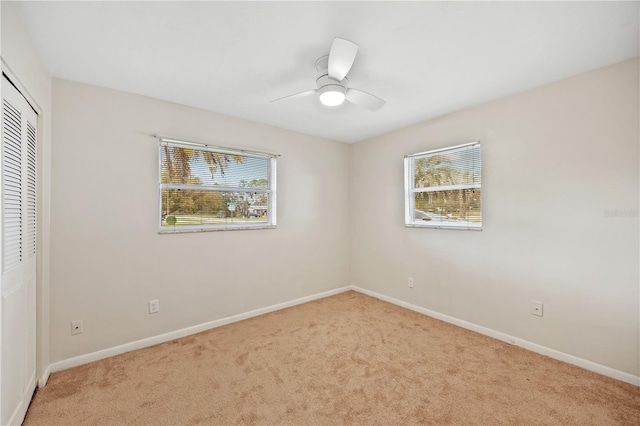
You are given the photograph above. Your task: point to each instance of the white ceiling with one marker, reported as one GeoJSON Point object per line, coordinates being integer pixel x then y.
{"type": "Point", "coordinates": [425, 59]}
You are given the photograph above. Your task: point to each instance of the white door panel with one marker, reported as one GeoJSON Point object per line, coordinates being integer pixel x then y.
{"type": "Point", "coordinates": [14, 349]}
{"type": "Point", "coordinates": [17, 255]}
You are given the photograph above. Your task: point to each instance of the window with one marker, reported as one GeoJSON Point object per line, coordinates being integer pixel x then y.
{"type": "Point", "coordinates": [443, 188]}
{"type": "Point", "coordinates": [205, 188]}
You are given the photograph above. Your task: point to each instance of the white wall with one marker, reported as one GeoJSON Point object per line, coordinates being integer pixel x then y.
{"type": "Point", "coordinates": [23, 64]}
{"type": "Point", "coordinates": [554, 159]}
{"type": "Point", "coordinates": [107, 258]}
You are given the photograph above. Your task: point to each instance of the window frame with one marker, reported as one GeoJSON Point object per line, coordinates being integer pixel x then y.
{"type": "Point", "coordinates": [271, 222]}
{"type": "Point", "coordinates": [410, 190]}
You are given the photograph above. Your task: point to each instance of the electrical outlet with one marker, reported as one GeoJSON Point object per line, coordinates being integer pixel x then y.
{"type": "Point", "coordinates": [76, 327]}
{"type": "Point", "coordinates": [410, 282]}
{"type": "Point", "coordinates": [536, 308]}
{"type": "Point", "coordinates": [154, 306]}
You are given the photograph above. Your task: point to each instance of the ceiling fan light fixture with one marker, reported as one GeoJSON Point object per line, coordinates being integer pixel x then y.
{"type": "Point", "coordinates": [332, 82]}
{"type": "Point", "coordinates": [332, 95]}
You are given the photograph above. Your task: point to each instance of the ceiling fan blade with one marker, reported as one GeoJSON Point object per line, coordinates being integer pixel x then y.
{"type": "Point", "coordinates": [364, 99]}
{"type": "Point", "coordinates": [341, 57]}
{"type": "Point", "coordinates": [297, 95]}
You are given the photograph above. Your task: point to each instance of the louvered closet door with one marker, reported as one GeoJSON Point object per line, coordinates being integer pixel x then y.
{"type": "Point", "coordinates": [18, 258]}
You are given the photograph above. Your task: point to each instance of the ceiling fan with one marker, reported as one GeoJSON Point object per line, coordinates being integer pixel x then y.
{"type": "Point", "coordinates": [332, 82]}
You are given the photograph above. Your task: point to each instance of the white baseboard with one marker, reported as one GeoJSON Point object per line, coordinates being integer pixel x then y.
{"type": "Point", "coordinates": [534, 347]}
{"type": "Point", "coordinates": [42, 381]}
{"type": "Point", "coordinates": [150, 341]}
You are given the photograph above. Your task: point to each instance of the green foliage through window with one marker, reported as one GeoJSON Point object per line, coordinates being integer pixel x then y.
{"type": "Point", "coordinates": [205, 188]}
{"type": "Point", "coordinates": [443, 188]}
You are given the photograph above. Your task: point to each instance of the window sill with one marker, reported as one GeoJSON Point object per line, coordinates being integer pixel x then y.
{"type": "Point", "coordinates": [460, 227]}
{"type": "Point", "coordinates": [191, 229]}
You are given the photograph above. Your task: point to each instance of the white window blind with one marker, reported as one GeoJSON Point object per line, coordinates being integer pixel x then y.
{"type": "Point", "coordinates": [443, 188]}
{"type": "Point", "coordinates": [204, 188]}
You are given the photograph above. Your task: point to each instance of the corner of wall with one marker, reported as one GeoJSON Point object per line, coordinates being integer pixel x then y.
{"type": "Point", "coordinates": [22, 62]}
{"type": "Point", "coordinates": [350, 219]}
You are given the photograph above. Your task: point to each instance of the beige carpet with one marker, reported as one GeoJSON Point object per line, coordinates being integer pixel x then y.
{"type": "Point", "coordinates": [346, 359]}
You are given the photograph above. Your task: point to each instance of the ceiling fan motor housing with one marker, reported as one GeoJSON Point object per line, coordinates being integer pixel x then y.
{"type": "Point", "coordinates": [326, 83]}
